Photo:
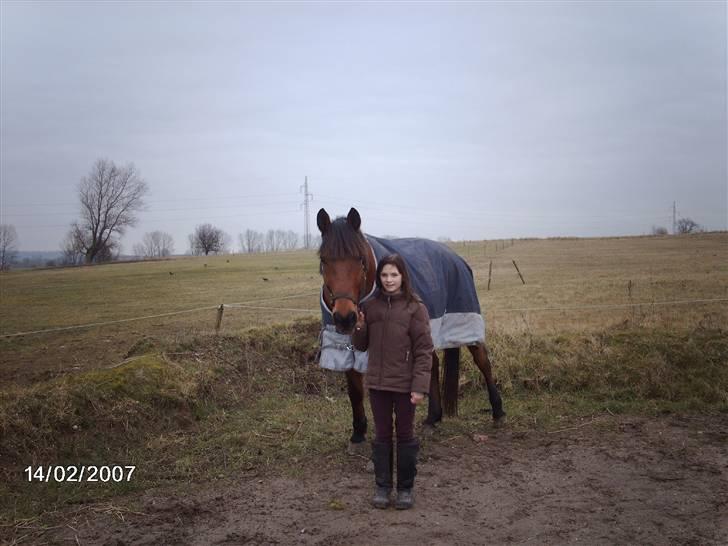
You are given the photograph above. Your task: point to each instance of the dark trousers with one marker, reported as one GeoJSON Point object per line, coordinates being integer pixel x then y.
{"type": "Point", "coordinates": [386, 403]}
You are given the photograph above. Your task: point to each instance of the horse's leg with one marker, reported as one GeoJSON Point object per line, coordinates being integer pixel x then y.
{"type": "Point", "coordinates": [434, 405]}
{"type": "Point", "coordinates": [451, 381]}
{"type": "Point", "coordinates": [355, 385]}
{"type": "Point", "coordinates": [480, 356]}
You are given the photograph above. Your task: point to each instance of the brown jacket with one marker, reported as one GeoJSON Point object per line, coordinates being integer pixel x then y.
{"type": "Point", "coordinates": [397, 335]}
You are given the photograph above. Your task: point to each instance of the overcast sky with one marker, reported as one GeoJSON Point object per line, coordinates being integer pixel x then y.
{"type": "Point", "coordinates": [466, 120]}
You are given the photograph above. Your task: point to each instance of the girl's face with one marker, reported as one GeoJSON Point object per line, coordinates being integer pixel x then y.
{"type": "Point", "coordinates": [391, 279]}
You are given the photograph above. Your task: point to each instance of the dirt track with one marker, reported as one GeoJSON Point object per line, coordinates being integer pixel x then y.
{"type": "Point", "coordinates": [616, 481]}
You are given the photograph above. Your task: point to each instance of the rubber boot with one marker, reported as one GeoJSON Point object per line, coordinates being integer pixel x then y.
{"type": "Point", "coordinates": [406, 472]}
{"type": "Point", "coordinates": [382, 459]}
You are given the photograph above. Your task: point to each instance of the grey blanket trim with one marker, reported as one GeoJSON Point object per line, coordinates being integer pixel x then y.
{"type": "Point", "coordinates": [457, 329]}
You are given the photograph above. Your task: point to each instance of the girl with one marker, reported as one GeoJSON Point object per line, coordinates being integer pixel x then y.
{"type": "Point", "coordinates": [395, 327]}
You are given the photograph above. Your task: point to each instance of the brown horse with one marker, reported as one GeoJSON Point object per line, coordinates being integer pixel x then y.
{"type": "Point", "coordinates": [348, 266]}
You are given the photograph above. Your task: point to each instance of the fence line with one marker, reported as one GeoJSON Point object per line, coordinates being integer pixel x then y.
{"type": "Point", "coordinates": [106, 323]}
{"type": "Point", "coordinates": [245, 306]}
{"type": "Point", "coordinates": [90, 325]}
{"type": "Point", "coordinates": [611, 305]}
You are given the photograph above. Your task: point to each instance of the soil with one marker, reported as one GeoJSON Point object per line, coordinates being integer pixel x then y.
{"type": "Point", "coordinates": [616, 480]}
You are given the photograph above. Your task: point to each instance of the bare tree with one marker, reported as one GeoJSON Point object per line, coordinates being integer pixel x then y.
{"type": "Point", "coordinates": [250, 241]}
{"type": "Point", "coordinates": [8, 245]}
{"type": "Point", "coordinates": [195, 249]}
{"type": "Point", "coordinates": [659, 230]}
{"type": "Point", "coordinates": [292, 240]}
{"type": "Point", "coordinates": [72, 252]}
{"type": "Point", "coordinates": [243, 241]}
{"type": "Point", "coordinates": [207, 238]}
{"type": "Point", "coordinates": [156, 244]}
{"type": "Point", "coordinates": [272, 244]}
{"type": "Point", "coordinates": [687, 225]}
{"type": "Point", "coordinates": [110, 198]}
{"type": "Point", "coordinates": [259, 240]}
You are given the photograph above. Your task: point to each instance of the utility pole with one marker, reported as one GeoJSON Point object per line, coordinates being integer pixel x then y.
{"type": "Point", "coordinates": [674, 219]}
{"type": "Point", "coordinates": [306, 228]}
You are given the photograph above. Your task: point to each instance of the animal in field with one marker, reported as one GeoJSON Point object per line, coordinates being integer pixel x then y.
{"type": "Point", "coordinates": [444, 281]}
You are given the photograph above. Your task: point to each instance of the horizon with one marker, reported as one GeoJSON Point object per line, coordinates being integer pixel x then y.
{"type": "Point", "coordinates": [448, 242]}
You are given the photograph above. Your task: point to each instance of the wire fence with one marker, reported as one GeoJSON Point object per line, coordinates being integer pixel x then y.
{"type": "Point", "coordinates": [254, 305]}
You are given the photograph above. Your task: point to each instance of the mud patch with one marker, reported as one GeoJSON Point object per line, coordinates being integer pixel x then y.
{"type": "Point", "coordinates": [616, 481]}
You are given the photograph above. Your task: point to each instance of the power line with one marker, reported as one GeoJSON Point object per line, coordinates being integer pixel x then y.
{"type": "Point", "coordinates": [187, 219]}
{"type": "Point", "coordinates": [252, 205]}
{"type": "Point", "coordinates": [196, 199]}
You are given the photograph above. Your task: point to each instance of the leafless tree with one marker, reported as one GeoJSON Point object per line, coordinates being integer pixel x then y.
{"type": "Point", "coordinates": [659, 230]}
{"type": "Point", "coordinates": [207, 238]}
{"type": "Point", "coordinates": [254, 241]}
{"type": "Point", "coordinates": [110, 198]}
{"type": "Point", "coordinates": [272, 242]}
{"type": "Point", "coordinates": [292, 239]}
{"type": "Point", "coordinates": [8, 245]}
{"type": "Point", "coordinates": [687, 225]}
{"type": "Point", "coordinates": [280, 240]}
{"type": "Point", "coordinates": [249, 241]}
{"type": "Point", "coordinates": [156, 244]}
{"type": "Point", "coordinates": [72, 252]}
{"type": "Point", "coordinates": [245, 241]}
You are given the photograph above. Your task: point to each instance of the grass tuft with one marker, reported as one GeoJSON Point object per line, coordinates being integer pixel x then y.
{"type": "Point", "coordinates": [212, 407]}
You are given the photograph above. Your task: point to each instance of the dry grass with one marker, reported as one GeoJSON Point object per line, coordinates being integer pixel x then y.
{"type": "Point", "coordinates": [558, 273]}
{"type": "Point", "coordinates": [185, 405]}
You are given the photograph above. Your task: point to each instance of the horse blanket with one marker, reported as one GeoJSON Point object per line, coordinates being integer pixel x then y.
{"type": "Point", "coordinates": [440, 277]}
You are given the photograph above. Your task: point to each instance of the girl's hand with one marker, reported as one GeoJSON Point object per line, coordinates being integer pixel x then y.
{"type": "Point", "coordinates": [360, 320]}
{"type": "Point", "coordinates": [417, 397]}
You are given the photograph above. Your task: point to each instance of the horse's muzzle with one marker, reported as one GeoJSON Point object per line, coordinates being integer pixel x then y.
{"type": "Point", "coordinates": [345, 324]}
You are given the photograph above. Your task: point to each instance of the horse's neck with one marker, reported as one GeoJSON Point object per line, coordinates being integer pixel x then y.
{"type": "Point", "coordinates": [371, 269]}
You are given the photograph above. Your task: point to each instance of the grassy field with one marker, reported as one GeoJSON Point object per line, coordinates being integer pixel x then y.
{"type": "Point", "coordinates": [184, 405]}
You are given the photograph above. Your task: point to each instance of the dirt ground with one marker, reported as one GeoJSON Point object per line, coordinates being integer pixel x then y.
{"type": "Point", "coordinates": [616, 480]}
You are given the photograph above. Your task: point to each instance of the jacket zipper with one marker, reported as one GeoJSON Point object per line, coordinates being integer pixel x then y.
{"type": "Point", "coordinates": [381, 348]}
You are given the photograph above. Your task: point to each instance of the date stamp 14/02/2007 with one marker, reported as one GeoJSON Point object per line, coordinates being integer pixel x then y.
{"type": "Point", "coordinates": [84, 473]}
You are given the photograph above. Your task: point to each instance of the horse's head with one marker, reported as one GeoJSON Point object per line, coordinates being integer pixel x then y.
{"type": "Point", "coordinates": [344, 255]}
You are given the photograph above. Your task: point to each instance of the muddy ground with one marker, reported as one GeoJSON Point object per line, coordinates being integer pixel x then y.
{"type": "Point", "coordinates": [616, 480]}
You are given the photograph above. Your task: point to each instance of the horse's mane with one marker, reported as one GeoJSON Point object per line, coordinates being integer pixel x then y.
{"type": "Point", "coordinates": [341, 241]}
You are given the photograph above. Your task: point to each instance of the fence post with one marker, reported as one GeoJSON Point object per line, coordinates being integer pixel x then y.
{"type": "Point", "coordinates": [219, 317]}
{"type": "Point", "coordinates": [519, 271]}
{"type": "Point", "coordinates": [490, 271]}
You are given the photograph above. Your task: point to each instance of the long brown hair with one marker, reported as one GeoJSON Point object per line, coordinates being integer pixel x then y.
{"type": "Point", "coordinates": [397, 261]}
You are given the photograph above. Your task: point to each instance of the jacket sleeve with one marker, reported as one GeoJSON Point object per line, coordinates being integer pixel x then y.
{"type": "Point", "coordinates": [360, 337]}
{"type": "Point", "coordinates": [422, 348]}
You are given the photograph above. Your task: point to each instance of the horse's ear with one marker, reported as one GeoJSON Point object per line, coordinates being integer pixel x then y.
{"type": "Point", "coordinates": [354, 219]}
{"type": "Point", "coordinates": [323, 221]}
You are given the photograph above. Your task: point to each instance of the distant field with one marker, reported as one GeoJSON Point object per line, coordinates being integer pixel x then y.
{"type": "Point", "coordinates": [583, 276]}
{"type": "Point", "coordinates": [188, 407]}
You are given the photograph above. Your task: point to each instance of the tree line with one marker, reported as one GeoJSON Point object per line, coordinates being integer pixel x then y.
{"type": "Point", "coordinates": [111, 197]}
{"type": "Point", "coordinates": [208, 239]}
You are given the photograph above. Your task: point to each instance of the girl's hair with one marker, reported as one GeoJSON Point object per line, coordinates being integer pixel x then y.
{"type": "Point", "coordinates": [397, 261]}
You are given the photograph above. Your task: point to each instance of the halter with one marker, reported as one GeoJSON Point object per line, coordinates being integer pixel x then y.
{"type": "Point", "coordinates": [362, 286]}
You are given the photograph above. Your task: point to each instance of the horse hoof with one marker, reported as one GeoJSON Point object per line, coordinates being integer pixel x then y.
{"type": "Point", "coordinates": [499, 422]}
{"type": "Point", "coordinates": [360, 449]}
